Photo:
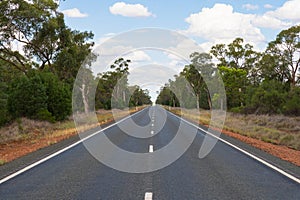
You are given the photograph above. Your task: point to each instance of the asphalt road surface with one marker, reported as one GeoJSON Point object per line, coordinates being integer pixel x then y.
{"type": "Point", "coordinates": [226, 173]}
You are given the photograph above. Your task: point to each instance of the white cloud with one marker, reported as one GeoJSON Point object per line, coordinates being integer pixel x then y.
{"type": "Point", "coordinates": [222, 24]}
{"type": "Point", "coordinates": [268, 6]}
{"type": "Point", "coordinates": [206, 46]}
{"type": "Point", "coordinates": [184, 48]}
{"type": "Point", "coordinates": [250, 6]}
{"type": "Point", "coordinates": [289, 11]}
{"type": "Point", "coordinates": [267, 21]}
{"type": "Point", "coordinates": [74, 13]}
{"type": "Point", "coordinates": [129, 10]}
{"type": "Point", "coordinates": [138, 56]}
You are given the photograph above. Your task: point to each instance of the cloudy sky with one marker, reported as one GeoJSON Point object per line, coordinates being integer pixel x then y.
{"type": "Point", "coordinates": [207, 22]}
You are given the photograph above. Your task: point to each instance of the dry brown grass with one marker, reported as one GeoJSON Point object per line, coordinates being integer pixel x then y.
{"type": "Point", "coordinates": [24, 129]}
{"type": "Point", "coordinates": [25, 136]}
{"type": "Point", "coordinates": [275, 129]}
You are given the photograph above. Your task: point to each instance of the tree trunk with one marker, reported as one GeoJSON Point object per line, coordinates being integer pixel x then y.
{"type": "Point", "coordinates": [198, 101]}
{"type": "Point", "coordinates": [293, 81]}
{"type": "Point", "coordinates": [222, 104]}
{"type": "Point", "coordinates": [84, 99]}
{"type": "Point", "coordinates": [124, 97]}
{"type": "Point", "coordinates": [209, 100]}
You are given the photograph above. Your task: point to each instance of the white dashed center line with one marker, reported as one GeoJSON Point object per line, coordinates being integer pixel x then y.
{"type": "Point", "coordinates": [152, 132]}
{"type": "Point", "coordinates": [148, 196]}
{"type": "Point", "coordinates": [150, 148]}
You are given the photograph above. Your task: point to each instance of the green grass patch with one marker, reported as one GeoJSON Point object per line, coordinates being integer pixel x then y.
{"type": "Point", "coordinates": [2, 162]}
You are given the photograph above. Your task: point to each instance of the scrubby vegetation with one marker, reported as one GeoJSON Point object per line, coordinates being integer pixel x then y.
{"type": "Point", "coordinates": [255, 82]}
{"type": "Point", "coordinates": [36, 80]}
{"type": "Point", "coordinates": [276, 129]}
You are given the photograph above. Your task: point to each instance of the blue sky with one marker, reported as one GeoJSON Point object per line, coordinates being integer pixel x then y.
{"type": "Point", "coordinates": [168, 14]}
{"type": "Point", "coordinates": [208, 22]}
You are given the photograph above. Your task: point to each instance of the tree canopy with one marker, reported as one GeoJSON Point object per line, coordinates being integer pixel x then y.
{"type": "Point", "coordinates": [39, 60]}
{"type": "Point", "coordinates": [255, 82]}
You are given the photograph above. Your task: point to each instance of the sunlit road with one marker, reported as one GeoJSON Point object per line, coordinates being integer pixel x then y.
{"type": "Point", "coordinates": [225, 173]}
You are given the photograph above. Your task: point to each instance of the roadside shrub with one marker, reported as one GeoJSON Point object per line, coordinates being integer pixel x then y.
{"type": "Point", "coordinates": [237, 109]}
{"type": "Point", "coordinates": [45, 115]}
{"type": "Point", "coordinates": [59, 96]}
{"type": "Point", "coordinates": [4, 115]}
{"type": "Point", "coordinates": [27, 96]}
{"type": "Point", "coordinates": [292, 104]}
{"type": "Point", "coordinates": [268, 98]}
{"type": "Point", "coordinates": [39, 95]}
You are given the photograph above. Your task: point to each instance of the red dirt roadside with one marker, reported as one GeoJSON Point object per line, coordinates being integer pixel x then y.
{"type": "Point", "coordinates": [283, 152]}
{"type": "Point", "coordinates": [15, 149]}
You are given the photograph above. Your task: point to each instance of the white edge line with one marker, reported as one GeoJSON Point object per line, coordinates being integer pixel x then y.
{"type": "Point", "coordinates": [148, 196]}
{"type": "Point", "coordinates": [62, 150]}
{"type": "Point", "coordinates": [243, 151]}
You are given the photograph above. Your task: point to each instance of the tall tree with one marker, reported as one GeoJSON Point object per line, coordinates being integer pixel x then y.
{"type": "Point", "coordinates": [167, 97]}
{"type": "Point", "coordinates": [235, 54]}
{"type": "Point", "coordinates": [239, 56]}
{"type": "Point", "coordinates": [286, 49]}
{"type": "Point", "coordinates": [113, 85]}
{"type": "Point", "coordinates": [235, 85]}
{"type": "Point", "coordinates": [34, 26]}
{"type": "Point", "coordinates": [75, 52]}
{"type": "Point", "coordinates": [139, 96]}
{"type": "Point", "coordinates": [200, 71]}
{"type": "Point", "coordinates": [33, 34]}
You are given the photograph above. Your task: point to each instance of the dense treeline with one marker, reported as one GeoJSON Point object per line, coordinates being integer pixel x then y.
{"type": "Point", "coordinates": [255, 82]}
{"type": "Point", "coordinates": [39, 60]}
{"type": "Point", "coordinates": [113, 90]}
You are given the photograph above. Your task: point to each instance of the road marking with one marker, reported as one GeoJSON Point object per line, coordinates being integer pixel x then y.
{"type": "Point", "coordinates": [152, 124]}
{"type": "Point", "coordinates": [148, 196]}
{"type": "Point", "coordinates": [243, 151]}
{"type": "Point", "coordinates": [150, 148]}
{"type": "Point", "coordinates": [63, 150]}
{"type": "Point", "coordinates": [152, 132]}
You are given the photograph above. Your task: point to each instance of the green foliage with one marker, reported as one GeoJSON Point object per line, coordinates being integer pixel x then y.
{"type": "Point", "coordinates": [139, 97]}
{"type": "Point", "coordinates": [40, 96]}
{"type": "Point", "coordinates": [292, 104]}
{"type": "Point", "coordinates": [236, 109]}
{"type": "Point", "coordinates": [27, 96]}
{"type": "Point", "coordinates": [285, 50]}
{"type": "Point", "coordinates": [76, 51]}
{"type": "Point", "coordinates": [167, 97]}
{"type": "Point", "coordinates": [27, 86]}
{"type": "Point", "coordinates": [4, 116]}
{"type": "Point", "coordinates": [235, 82]}
{"type": "Point", "coordinates": [268, 98]}
{"type": "Point", "coordinates": [112, 89]}
{"type": "Point", "coordinates": [59, 96]}
{"type": "Point", "coordinates": [235, 55]}
{"type": "Point", "coordinates": [36, 25]}
{"type": "Point", "coordinates": [45, 115]}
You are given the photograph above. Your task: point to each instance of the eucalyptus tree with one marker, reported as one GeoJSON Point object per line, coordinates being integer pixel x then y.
{"type": "Point", "coordinates": [33, 34]}
{"type": "Point", "coordinates": [286, 50]}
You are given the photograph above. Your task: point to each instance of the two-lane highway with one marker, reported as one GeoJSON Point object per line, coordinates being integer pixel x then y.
{"type": "Point", "coordinates": [226, 173]}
